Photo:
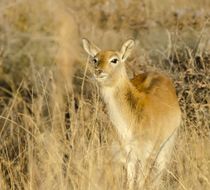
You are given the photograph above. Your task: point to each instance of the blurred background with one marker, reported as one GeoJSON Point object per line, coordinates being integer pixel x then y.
{"type": "Point", "coordinates": [54, 128]}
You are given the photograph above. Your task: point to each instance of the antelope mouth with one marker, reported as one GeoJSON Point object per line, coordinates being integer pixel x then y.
{"type": "Point", "coordinates": [101, 76]}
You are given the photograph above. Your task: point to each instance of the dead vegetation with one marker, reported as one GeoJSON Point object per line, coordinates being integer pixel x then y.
{"type": "Point", "coordinates": [55, 135]}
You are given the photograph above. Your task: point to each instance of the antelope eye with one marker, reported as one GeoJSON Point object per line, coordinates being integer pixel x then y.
{"type": "Point", "coordinates": [115, 60]}
{"type": "Point", "coordinates": [94, 61]}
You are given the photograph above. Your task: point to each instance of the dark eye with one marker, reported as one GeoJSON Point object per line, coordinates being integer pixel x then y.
{"type": "Point", "coordinates": [114, 61]}
{"type": "Point", "coordinates": [94, 61]}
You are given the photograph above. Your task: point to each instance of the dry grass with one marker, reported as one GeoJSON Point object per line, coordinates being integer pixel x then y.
{"type": "Point", "coordinates": [54, 130]}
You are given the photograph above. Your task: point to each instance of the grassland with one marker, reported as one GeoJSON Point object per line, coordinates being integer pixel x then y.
{"type": "Point", "coordinates": [54, 128]}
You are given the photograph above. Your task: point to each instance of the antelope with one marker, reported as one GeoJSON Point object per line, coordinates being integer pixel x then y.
{"type": "Point", "coordinates": [144, 110]}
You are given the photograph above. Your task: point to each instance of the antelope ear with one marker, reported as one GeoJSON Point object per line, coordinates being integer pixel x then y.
{"type": "Point", "coordinates": [126, 49]}
{"type": "Point", "coordinates": [90, 48]}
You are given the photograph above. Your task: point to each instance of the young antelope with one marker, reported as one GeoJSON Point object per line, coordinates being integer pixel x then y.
{"type": "Point", "coordinates": [144, 110]}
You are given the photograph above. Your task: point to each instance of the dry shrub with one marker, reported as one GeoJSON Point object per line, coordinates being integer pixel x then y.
{"type": "Point", "coordinates": [37, 35]}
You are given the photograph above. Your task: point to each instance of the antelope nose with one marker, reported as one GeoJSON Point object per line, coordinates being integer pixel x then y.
{"type": "Point", "coordinates": [98, 71]}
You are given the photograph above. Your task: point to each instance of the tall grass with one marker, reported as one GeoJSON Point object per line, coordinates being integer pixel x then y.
{"type": "Point", "coordinates": [54, 128]}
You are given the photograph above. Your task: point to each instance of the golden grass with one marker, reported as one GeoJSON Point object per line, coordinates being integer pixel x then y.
{"type": "Point", "coordinates": [54, 130]}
